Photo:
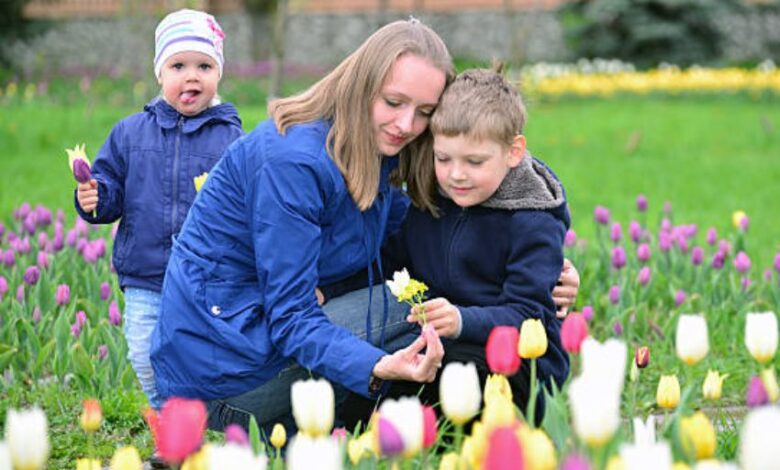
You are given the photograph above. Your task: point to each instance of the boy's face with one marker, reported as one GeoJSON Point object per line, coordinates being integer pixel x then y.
{"type": "Point", "coordinates": [470, 171]}
{"type": "Point", "coordinates": [189, 81]}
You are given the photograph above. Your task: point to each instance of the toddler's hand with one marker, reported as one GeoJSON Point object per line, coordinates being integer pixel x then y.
{"type": "Point", "coordinates": [441, 314]}
{"type": "Point", "coordinates": [87, 195]}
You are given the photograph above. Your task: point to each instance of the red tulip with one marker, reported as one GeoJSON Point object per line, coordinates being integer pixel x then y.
{"type": "Point", "coordinates": [503, 450]}
{"type": "Point", "coordinates": [429, 426]}
{"type": "Point", "coordinates": [574, 330]}
{"type": "Point", "coordinates": [180, 429]}
{"type": "Point", "coordinates": [501, 350]}
{"type": "Point", "coordinates": [642, 357]}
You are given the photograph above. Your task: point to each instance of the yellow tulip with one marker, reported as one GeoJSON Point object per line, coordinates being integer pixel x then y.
{"type": "Point", "coordinates": [449, 461]}
{"type": "Point", "coordinates": [615, 463]}
{"type": "Point", "coordinates": [533, 339]}
{"type": "Point", "coordinates": [479, 440]}
{"type": "Point", "coordinates": [199, 180]}
{"type": "Point", "coordinates": [355, 450]}
{"type": "Point", "coordinates": [769, 379]}
{"type": "Point", "coordinates": [497, 385]}
{"type": "Point", "coordinates": [278, 436]}
{"type": "Point", "coordinates": [126, 458]}
{"type": "Point", "coordinates": [538, 449]}
{"type": "Point", "coordinates": [698, 436]}
{"type": "Point", "coordinates": [668, 393]}
{"type": "Point", "coordinates": [88, 464]}
{"type": "Point", "coordinates": [199, 460]}
{"type": "Point", "coordinates": [469, 455]}
{"type": "Point", "coordinates": [681, 466]}
{"type": "Point", "coordinates": [736, 218]}
{"type": "Point", "coordinates": [499, 412]}
{"type": "Point", "coordinates": [713, 384]}
{"type": "Point", "coordinates": [91, 415]}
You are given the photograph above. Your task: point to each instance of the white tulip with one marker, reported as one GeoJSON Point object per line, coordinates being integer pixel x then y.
{"type": "Point", "coordinates": [27, 436]}
{"type": "Point", "coordinates": [459, 392]}
{"type": "Point", "coordinates": [313, 406]}
{"type": "Point", "coordinates": [605, 362]}
{"type": "Point", "coordinates": [5, 457]}
{"type": "Point", "coordinates": [595, 409]}
{"type": "Point", "coordinates": [306, 453]}
{"type": "Point", "coordinates": [758, 449]}
{"type": "Point", "coordinates": [644, 432]}
{"type": "Point", "coordinates": [655, 456]}
{"type": "Point", "coordinates": [406, 415]}
{"type": "Point", "coordinates": [400, 281]}
{"type": "Point", "coordinates": [761, 335]}
{"type": "Point", "coordinates": [235, 457]}
{"type": "Point", "coordinates": [692, 341]}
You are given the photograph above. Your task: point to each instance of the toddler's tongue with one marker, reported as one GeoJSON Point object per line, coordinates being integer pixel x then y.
{"type": "Point", "coordinates": [188, 97]}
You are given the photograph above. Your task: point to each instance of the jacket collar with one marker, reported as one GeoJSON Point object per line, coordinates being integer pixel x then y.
{"type": "Point", "coordinates": [168, 118]}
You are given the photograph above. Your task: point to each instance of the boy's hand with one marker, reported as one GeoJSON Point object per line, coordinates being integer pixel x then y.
{"type": "Point", "coordinates": [320, 296]}
{"type": "Point", "coordinates": [87, 195]}
{"type": "Point", "coordinates": [565, 293]}
{"type": "Point", "coordinates": [441, 314]}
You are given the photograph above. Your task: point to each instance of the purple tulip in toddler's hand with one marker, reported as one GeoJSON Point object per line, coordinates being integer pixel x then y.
{"type": "Point", "coordinates": [79, 165]}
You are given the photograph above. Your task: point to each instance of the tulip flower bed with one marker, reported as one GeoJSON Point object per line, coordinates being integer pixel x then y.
{"type": "Point", "coordinates": [681, 323]}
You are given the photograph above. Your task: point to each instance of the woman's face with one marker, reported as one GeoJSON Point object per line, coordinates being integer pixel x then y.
{"type": "Point", "coordinates": [405, 102]}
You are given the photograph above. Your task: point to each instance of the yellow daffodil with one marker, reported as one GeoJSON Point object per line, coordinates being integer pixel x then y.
{"type": "Point", "coordinates": [713, 384]}
{"type": "Point", "coordinates": [87, 464]}
{"type": "Point", "coordinates": [668, 394]}
{"type": "Point", "coordinates": [126, 458]}
{"type": "Point", "coordinates": [199, 180]}
{"type": "Point", "coordinates": [533, 339]}
{"type": "Point", "coordinates": [698, 436]}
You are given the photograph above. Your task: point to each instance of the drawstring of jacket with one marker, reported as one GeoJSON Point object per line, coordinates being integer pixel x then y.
{"type": "Point", "coordinates": [385, 211]}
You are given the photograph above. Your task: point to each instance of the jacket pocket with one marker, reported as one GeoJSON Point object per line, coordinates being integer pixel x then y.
{"type": "Point", "coordinates": [122, 243]}
{"type": "Point", "coordinates": [227, 300]}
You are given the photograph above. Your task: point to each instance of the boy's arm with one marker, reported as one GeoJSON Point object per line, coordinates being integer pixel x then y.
{"type": "Point", "coordinates": [109, 169]}
{"type": "Point", "coordinates": [533, 268]}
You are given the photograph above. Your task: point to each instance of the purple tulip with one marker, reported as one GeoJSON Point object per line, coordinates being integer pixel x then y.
{"type": "Point", "coordinates": [635, 231]}
{"type": "Point", "coordinates": [31, 275]}
{"type": "Point", "coordinates": [664, 241]}
{"type": "Point", "coordinates": [114, 315]}
{"type": "Point", "coordinates": [643, 252]}
{"type": "Point", "coordinates": [777, 263]}
{"type": "Point", "coordinates": [60, 215]}
{"type": "Point", "coordinates": [235, 433]}
{"type": "Point", "coordinates": [89, 254]}
{"type": "Point", "coordinates": [746, 283]}
{"type": "Point", "coordinates": [105, 291]}
{"type": "Point", "coordinates": [36, 314]}
{"type": "Point", "coordinates": [81, 318]}
{"type": "Point", "coordinates": [9, 258]}
{"type": "Point", "coordinates": [641, 203]}
{"type": "Point", "coordinates": [618, 257]}
{"type": "Point", "coordinates": [614, 295]}
{"type": "Point", "coordinates": [102, 352]}
{"type": "Point", "coordinates": [11, 237]}
{"type": "Point", "coordinates": [712, 236]}
{"type": "Point", "coordinates": [81, 227]}
{"type": "Point", "coordinates": [390, 440]}
{"type": "Point", "coordinates": [617, 328]}
{"type": "Point", "coordinates": [587, 312]}
{"type": "Point", "coordinates": [601, 214]}
{"type": "Point", "coordinates": [644, 276]}
{"type": "Point", "coordinates": [99, 246]}
{"type": "Point", "coordinates": [75, 329]}
{"type": "Point", "coordinates": [22, 211]}
{"type": "Point", "coordinates": [43, 214]}
{"type": "Point", "coordinates": [43, 237]}
{"type": "Point", "coordinates": [576, 462]}
{"type": "Point", "coordinates": [697, 255]}
{"type": "Point", "coordinates": [81, 171]}
{"type": "Point", "coordinates": [58, 243]}
{"type": "Point", "coordinates": [30, 223]}
{"type": "Point", "coordinates": [767, 274]}
{"type": "Point", "coordinates": [81, 245]}
{"type": "Point", "coordinates": [742, 262]}
{"type": "Point", "coordinates": [71, 237]}
{"type": "Point", "coordinates": [679, 297]}
{"type": "Point", "coordinates": [744, 223]}
{"type": "Point", "coordinates": [616, 232]}
{"type": "Point", "coordinates": [756, 393]}
{"type": "Point", "coordinates": [666, 225]}
{"type": "Point", "coordinates": [3, 287]}
{"type": "Point", "coordinates": [43, 260]}
{"type": "Point", "coordinates": [682, 244]}
{"type": "Point", "coordinates": [718, 260]}
{"type": "Point", "coordinates": [20, 293]}
{"type": "Point", "coordinates": [63, 294]}
{"type": "Point", "coordinates": [724, 246]}
{"type": "Point", "coordinates": [2, 231]}
{"type": "Point", "coordinates": [570, 239]}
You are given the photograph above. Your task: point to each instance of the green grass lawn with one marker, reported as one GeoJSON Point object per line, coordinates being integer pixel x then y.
{"type": "Point", "coordinates": [708, 156]}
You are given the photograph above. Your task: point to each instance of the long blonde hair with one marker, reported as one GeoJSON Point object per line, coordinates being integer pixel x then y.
{"type": "Point", "coordinates": [345, 97]}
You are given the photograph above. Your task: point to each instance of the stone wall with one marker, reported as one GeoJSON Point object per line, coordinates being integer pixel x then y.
{"type": "Point", "coordinates": [125, 45]}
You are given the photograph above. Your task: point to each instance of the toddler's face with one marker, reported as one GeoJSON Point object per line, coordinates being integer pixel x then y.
{"type": "Point", "coordinates": [470, 171]}
{"type": "Point", "coordinates": [189, 81]}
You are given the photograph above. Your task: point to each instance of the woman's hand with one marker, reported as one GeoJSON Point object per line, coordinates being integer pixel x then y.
{"type": "Point", "coordinates": [440, 313]}
{"type": "Point", "coordinates": [565, 293]}
{"type": "Point", "coordinates": [409, 364]}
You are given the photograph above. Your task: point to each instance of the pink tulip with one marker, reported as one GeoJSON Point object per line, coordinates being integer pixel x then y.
{"type": "Point", "coordinates": [501, 350]}
{"type": "Point", "coordinates": [503, 450]}
{"type": "Point", "coordinates": [43, 260]}
{"type": "Point", "coordinates": [635, 231]}
{"type": "Point", "coordinates": [697, 255]}
{"type": "Point", "coordinates": [570, 239]}
{"type": "Point", "coordinates": [114, 315]}
{"type": "Point", "coordinates": [641, 203]}
{"type": "Point", "coordinates": [3, 287]}
{"type": "Point", "coordinates": [20, 293]}
{"type": "Point", "coordinates": [777, 263]}
{"type": "Point", "coordinates": [105, 291]}
{"type": "Point", "coordinates": [679, 297]}
{"type": "Point", "coordinates": [616, 232]}
{"type": "Point", "coordinates": [643, 278]}
{"type": "Point", "coordinates": [574, 330]}
{"type": "Point", "coordinates": [587, 312]}
{"type": "Point", "coordinates": [390, 440]}
{"type": "Point", "coordinates": [614, 295]}
{"type": "Point", "coordinates": [712, 236]}
{"type": "Point", "coordinates": [618, 257]}
{"type": "Point", "coordinates": [742, 262]}
{"type": "Point", "coordinates": [429, 426]}
{"type": "Point", "coordinates": [601, 214]}
{"type": "Point", "coordinates": [102, 352]}
{"type": "Point", "coordinates": [81, 318]}
{"type": "Point", "coordinates": [62, 296]}
{"type": "Point", "coordinates": [756, 393]}
{"type": "Point", "coordinates": [576, 462]}
{"type": "Point", "coordinates": [36, 314]}
{"type": "Point", "coordinates": [181, 425]}
{"type": "Point", "coordinates": [236, 434]}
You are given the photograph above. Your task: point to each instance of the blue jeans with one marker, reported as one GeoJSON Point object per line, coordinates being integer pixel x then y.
{"type": "Point", "coordinates": [270, 403]}
{"type": "Point", "coordinates": [142, 308]}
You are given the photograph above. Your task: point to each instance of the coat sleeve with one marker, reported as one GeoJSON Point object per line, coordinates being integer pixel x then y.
{"type": "Point", "coordinates": [533, 267]}
{"type": "Point", "coordinates": [109, 169]}
{"type": "Point", "coordinates": [290, 197]}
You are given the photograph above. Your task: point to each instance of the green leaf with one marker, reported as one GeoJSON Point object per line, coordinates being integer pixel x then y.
{"type": "Point", "coordinates": [254, 436]}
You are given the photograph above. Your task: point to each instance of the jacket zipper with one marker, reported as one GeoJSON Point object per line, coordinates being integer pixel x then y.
{"type": "Point", "coordinates": [175, 195]}
{"type": "Point", "coordinates": [459, 221]}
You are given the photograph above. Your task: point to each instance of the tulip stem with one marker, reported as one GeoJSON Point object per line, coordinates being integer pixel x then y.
{"type": "Point", "coordinates": [530, 414]}
{"type": "Point", "coordinates": [458, 437]}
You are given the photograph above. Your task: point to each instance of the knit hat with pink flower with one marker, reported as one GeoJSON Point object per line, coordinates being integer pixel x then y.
{"type": "Point", "coordinates": [188, 30]}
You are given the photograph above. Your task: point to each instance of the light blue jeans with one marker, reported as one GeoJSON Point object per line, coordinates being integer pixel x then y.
{"type": "Point", "coordinates": [270, 403]}
{"type": "Point", "coordinates": [142, 308]}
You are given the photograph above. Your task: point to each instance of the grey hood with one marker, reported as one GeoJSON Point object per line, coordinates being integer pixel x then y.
{"type": "Point", "coordinates": [530, 185]}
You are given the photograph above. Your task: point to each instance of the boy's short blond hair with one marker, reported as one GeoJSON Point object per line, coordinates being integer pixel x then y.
{"type": "Point", "coordinates": [482, 105]}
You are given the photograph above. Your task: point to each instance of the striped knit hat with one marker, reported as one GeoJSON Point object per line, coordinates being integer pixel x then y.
{"type": "Point", "coordinates": [187, 30]}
